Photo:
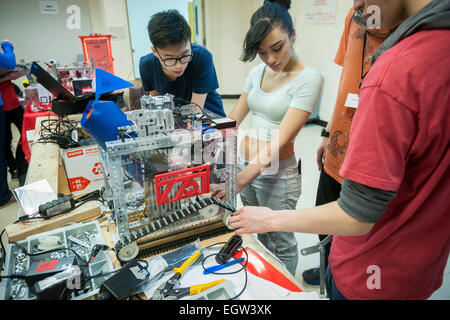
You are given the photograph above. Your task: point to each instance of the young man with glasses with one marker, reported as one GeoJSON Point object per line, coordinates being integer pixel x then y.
{"type": "Point", "coordinates": [179, 67]}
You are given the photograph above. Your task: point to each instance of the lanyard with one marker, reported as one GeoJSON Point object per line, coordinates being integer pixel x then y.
{"type": "Point", "coordinates": [363, 75]}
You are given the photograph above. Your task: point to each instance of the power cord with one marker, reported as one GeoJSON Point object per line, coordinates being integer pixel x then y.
{"type": "Point", "coordinates": [96, 195]}
{"type": "Point", "coordinates": [244, 267]}
{"type": "Point", "coordinates": [59, 131]}
{"type": "Point", "coordinates": [3, 251]}
{"type": "Point", "coordinates": [20, 276]}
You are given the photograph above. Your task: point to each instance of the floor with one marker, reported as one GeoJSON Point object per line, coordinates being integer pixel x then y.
{"type": "Point", "coordinates": [305, 147]}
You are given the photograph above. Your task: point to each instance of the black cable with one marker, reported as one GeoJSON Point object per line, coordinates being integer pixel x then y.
{"type": "Point", "coordinates": [3, 251]}
{"type": "Point", "coordinates": [86, 279]}
{"type": "Point", "coordinates": [59, 131]}
{"type": "Point", "coordinates": [93, 196]}
{"type": "Point", "coordinates": [48, 251]}
{"type": "Point", "coordinates": [18, 276]}
{"type": "Point", "coordinates": [244, 267]}
{"type": "Point", "coordinates": [184, 102]}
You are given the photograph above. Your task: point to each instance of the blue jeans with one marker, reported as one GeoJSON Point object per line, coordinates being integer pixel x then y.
{"type": "Point", "coordinates": [5, 195]}
{"type": "Point", "coordinates": [279, 190]}
{"type": "Point", "coordinates": [332, 291]}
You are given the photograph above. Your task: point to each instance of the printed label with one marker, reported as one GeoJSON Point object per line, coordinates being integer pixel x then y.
{"type": "Point", "coordinates": [47, 265]}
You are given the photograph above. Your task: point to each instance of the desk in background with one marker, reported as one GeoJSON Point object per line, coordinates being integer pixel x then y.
{"type": "Point", "coordinates": [29, 124]}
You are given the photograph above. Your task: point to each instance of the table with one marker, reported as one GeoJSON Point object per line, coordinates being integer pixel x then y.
{"type": "Point", "coordinates": [46, 164]}
{"type": "Point", "coordinates": [29, 123]}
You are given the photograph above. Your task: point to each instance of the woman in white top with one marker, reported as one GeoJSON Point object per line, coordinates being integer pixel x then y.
{"type": "Point", "coordinates": [280, 93]}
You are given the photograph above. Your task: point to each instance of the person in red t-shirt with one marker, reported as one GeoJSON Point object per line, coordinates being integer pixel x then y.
{"type": "Point", "coordinates": [391, 223]}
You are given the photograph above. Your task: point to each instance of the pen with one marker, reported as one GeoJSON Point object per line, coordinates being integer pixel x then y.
{"type": "Point", "coordinates": [222, 266]}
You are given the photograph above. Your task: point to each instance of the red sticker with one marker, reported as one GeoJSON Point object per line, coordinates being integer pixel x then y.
{"type": "Point", "coordinates": [47, 265]}
{"type": "Point", "coordinates": [78, 183]}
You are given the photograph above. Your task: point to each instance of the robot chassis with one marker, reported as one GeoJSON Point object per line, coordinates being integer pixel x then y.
{"type": "Point", "coordinates": [160, 172]}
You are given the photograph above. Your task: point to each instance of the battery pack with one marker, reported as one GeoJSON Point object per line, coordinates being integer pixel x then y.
{"type": "Point", "coordinates": [43, 269]}
{"type": "Point", "coordinates": [56, 206]}
{"type": "Point", "coordinates": [123, 283]}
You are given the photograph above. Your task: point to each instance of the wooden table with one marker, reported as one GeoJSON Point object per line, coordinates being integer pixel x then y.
{"type": "Point", "coordinates": [46, 163]}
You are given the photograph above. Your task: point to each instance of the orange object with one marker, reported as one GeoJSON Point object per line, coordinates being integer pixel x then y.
{"type": "Point", "coordinates": [259, 267]}
{"type": "Point", "coordinates": [97, 50]}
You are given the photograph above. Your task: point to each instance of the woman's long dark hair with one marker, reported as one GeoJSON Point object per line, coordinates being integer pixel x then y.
{"type": "Point", "coordinates": [272, 13]}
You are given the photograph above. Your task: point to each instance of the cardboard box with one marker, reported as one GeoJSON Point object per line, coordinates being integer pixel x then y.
{"type": "Point", "coordinates": [84, 169]}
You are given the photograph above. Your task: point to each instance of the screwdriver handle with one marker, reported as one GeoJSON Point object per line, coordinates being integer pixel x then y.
{"type": "Point", "coordinates": [202, 287]}
{"type": "Point", "coordinates": [189, 262]}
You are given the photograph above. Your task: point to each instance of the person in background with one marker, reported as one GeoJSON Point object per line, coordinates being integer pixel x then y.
{"type": "Point", "coordinates": [13, 111]}
{"type": "Point", "coordinates": [179, 67]}
{"type": "Point", "coordinates": [280, 93]}
{"type": "Point", "coordinates": [357, 46]}
{"type": "Point", "coordinates": [8, 62]}
{"type": "Point", "coordinates": [391, 222]}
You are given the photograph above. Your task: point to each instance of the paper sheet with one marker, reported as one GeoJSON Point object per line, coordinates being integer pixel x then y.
{"type": "Point", "coordinates": [256, 288]}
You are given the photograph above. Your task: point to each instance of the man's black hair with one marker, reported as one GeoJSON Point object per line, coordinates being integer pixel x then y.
{"type": "Point", "coordinates": [274, 13]}
{"type": "Point", "coordinates": [167, 28]}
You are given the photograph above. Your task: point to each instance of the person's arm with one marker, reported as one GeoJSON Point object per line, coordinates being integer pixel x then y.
{"type": "Point", "coordinates": [240, 110]}
{"type": "Point", "coordinates": [7, 59]}
{"type": "Point", "coordinates": [13, 75]}
{"type": "Point", "coordinates": [146, 80]}
{"type": "Point", "coordinates": [292, 122]}
{"type": "Point", "coordinates": [353, 214]}
{"type": "Point", "coordinates": [205, 78]}
{"type": "Point", "coordinates": [325, 219]}
{"type": "Point", "coordinates": [199, 99]}
{"type": "Point", "coordinates": [375, 163]}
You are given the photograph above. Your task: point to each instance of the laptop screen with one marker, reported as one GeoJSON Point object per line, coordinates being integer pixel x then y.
{"type": "Point", "coordinates": [52, 85]}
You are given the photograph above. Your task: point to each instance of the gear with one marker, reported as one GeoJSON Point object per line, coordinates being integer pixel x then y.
{"type": "Point", "coordinates": [129, 252]}
{"type": "Point", "coordinates": [210, 211]}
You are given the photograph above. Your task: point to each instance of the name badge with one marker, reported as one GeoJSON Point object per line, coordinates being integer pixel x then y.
{"type": "Point", "coordinates": [352, 100]}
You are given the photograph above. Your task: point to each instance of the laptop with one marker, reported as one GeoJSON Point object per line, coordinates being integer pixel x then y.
{"type": "Point", "coordinates": [56, 88]}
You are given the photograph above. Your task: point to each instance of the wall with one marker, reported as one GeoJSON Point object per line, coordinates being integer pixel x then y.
{"type": "Point", "coordinates": [110, 17]}
{"type": "Point", "coordinates": [227, 21]}
{"type": "Point", "coordinates": [139, 13]}
{"type": "Point", "coordinates": [42, 37]}
{"type": "Point", "coordinates": [317, 45]}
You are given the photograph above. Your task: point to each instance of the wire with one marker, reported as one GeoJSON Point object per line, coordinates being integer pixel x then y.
{"type": "Point", "coordinates": [3, 251]}
{"type": "Point", "coordinates": [86, 279]}
{"type": "Point", "coordinates": [59, 131]}
{"type": "Point", "coordinates": [244, 267]}
{"type": "Point", "coordinates": [93, 196]}
{"type": "Point", "coordinates": [184, 101]}
{"type": "Point", "coordinates": [48, 251]}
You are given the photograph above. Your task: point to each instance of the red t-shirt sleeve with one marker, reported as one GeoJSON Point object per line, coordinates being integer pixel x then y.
{"type": "Point", "coordinates": [382, 133]}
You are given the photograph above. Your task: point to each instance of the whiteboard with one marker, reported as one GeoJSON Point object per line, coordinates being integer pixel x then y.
{"type": "Point", "coordinates": [139, 13]}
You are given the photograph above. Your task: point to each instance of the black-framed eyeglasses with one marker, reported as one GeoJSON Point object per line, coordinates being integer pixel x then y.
{"type": "Point", "coordinates": [170, 62]}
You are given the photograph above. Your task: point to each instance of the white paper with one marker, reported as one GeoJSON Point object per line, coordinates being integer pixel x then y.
{"type": "Point", "coordinates": [320, 12]}
{"type": "Point", "coordinates": [32, 195]}
{"type": "Point", "coordinates": [352, 100]}
{"type": "Point", "coordinates": [49, 7]}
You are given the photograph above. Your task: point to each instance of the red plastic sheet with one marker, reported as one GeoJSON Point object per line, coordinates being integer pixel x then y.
{"type": "Point", "coordinates": [259, 267]}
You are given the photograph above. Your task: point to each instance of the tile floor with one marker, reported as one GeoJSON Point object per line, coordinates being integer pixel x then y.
{"type": "Point", "coordinates": [305, 147]}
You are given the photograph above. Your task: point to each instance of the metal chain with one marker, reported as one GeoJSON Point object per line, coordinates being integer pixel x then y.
{"type": "Point", "coordinates": [199, 203]}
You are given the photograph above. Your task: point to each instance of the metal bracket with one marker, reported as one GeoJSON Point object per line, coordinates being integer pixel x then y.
{"type": "Point", "coordinates": [319, 247]}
